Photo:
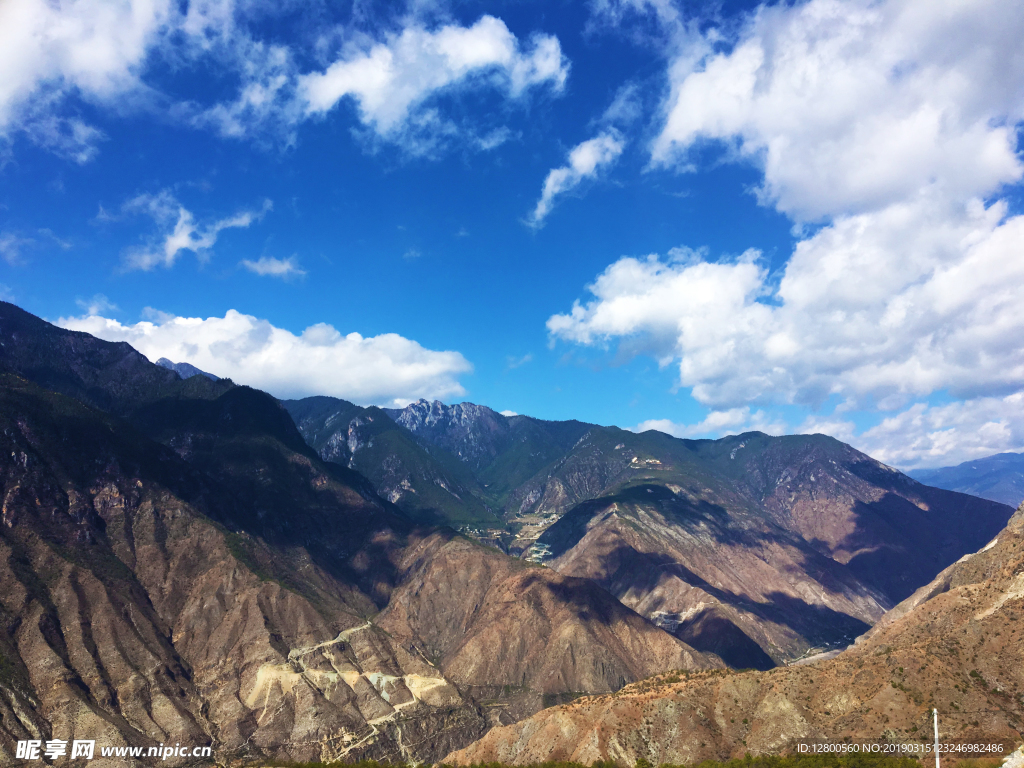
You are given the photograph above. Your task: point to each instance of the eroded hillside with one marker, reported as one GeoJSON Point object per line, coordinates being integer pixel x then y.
{"type": "Point", "coordinates": [190, 568]}
{"type": "Point", "coordinates": [955, 644]}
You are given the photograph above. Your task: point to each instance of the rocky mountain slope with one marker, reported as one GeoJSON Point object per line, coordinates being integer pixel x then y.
{"type": "Point", "coordinates": [755, 548]}
{"type": "Point", "coordinates": [429, 485]}
{"type": "Point", "coordinates": [955, 644]}
{"type": "Point", "coordinates": [183, 565]}
{"type": "Point", "coordinates": [503, 451]}
{"type": "Point", "coordinates": [457, 463]}
{"type": "Point", "coordinates": [185, 370]}
{"type": "Point", "coordinates": [726, 579]}
{"type": "Point", "coordinates": [132, 618]}
{"type": "Point", "coordinates": [999, 478]}
{"type": "Point", "coordinates": [112, 377]}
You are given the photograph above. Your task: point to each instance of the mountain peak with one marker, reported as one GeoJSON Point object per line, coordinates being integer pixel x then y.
{"type": "Point", "coordinates": [185, 370]}
{"type": "Point", "coordinates": [472, 432]}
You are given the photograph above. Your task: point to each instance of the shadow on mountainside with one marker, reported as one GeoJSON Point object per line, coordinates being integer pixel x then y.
{"type": "Point", "coordinates": [713, 518]}
{"type": "Point", "coordinates": [712, 632]}
{"type": "Point", "coordinates": [897, 546]}
{"type": "Point", "coordinates": [588, 601]}
{"type": "Point", "coordinates": [817, 624]}
{"type": "Point", "coordinates": [271, 485]}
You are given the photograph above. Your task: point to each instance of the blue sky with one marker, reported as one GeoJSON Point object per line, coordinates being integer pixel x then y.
{"type": "Point", "coordinates": [701, 218]}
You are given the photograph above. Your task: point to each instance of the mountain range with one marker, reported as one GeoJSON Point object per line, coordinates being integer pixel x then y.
{"type": "Point", "coordinates": [185, 558]}
{"type": "Point", "coordinates": [954, 645]}
{"type": "Point", "coordinates": [178, 564]}
{"type": "Point", "coordinates": [757, 549]}
{"type": "Point", "coordinates": [999, 478]}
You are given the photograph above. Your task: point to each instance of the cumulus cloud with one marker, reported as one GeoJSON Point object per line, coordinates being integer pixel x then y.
{"type": "Point", "coordinates": [855, 106]}
{"type": "Point", "coordinates": [52, 54]}
{"type": "Point", "coordinates": [179, 231]}
{"type": "Point", "coordinates": [833, 426]}
{"type": "Point", "coordinates": [936, 435]}
{"type": "Point", "coordinates": [586, 160]}
{"type": "Point", "coordinates": [920, 436]}
{"type": "Point", "coordinates": [924, 436]}
{"type": "Point", "coordinates": [389, 79]}
{"type": "Point", "coordinates": [880, 308]}
{"type": "Point", "coordinates": [268, 266]}
{"type": "Point", "coordinates": [718, 423]}
{"type": "Point", "coordinates": [892, 126]}
{"type": "Point", "coordinates": [387, 370]}
{"type": "Point", "coordinates": [48, 50]}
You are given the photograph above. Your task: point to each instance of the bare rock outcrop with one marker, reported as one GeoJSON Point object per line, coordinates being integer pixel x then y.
{"type": "Point", "coordinates": [517, 624]}
{"type": "Point", "coordinates": [132, 619]}
{"type": "Point", "coordinates": [955, 645]}
{"type": "Point", "coordinates": [185, 569]}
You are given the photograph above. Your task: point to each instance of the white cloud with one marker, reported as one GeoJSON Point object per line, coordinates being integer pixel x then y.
{"type": "Point", "coordinates": [48, 50]}
{"type": "Point", "coordinates": [916, 437]}
{"type": "Point", "coordinates": [266, 95]}
{"type": "Point", "coordinates": [508, 413]}
{"type": "Point", "coordinates": [269, 266]}
{"type": "Point", "coordinates": [879, 308]}
{"type": "Point", "coordinates": [586, 160]}
{"type": "Point", "coordinates": [614, 13]}
{"type": "Point", "coordinates": [626, 108]}
{"type": "Point", "coordinates": [98, 304]}
{"type": "Point", "coordinates": [943, 435]}
{"type": "Point", "coordinates": [833, 426]}
{"type": "Point", "coordinates": [181, 232]}
{"type": "Point", "coordinates": [855, 105]}
{"type": "Point", "coordinates": [67, 137]}
{"type": "Point", "coordinates": [932, 436]}
{"type": "Point", "coordinates": [53, 54]}
{"type": "Point", "coordinates": [891, 122]}
{"type": "Point", "coordinates": [387, 370]}
{"type": "Point", "coordinates": [390, 81]}
{"type": "Point", "coordinates": [718, 423]}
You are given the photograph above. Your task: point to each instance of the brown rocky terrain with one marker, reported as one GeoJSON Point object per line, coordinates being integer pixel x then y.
{"type": "Point", "coordinates": [758, 549]}
{"type": "Point", "coordinates": [523, 626]}
{"type": "Point", "coordinates": [732, 583]}
{"type": "Point", "coordinates": [131, 618]}
{"type": "Point", "coordinates": [955, 644]}
{"type": "Point", "coordinates": [197, 573]}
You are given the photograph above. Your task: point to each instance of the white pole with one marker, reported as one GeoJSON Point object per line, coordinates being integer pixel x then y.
{"type": "Point", "coordinates": [935, 713]}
